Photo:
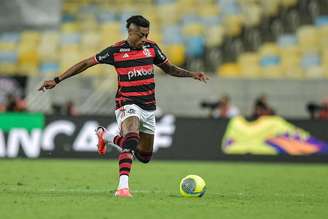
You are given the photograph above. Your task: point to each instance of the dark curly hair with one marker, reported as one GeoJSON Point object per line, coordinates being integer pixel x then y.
{"type": "Point", "coordinates": [137, 20]}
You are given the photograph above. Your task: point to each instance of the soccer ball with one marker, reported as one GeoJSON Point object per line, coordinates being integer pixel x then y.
{"type": "Point", "coordinates": [192, 186]}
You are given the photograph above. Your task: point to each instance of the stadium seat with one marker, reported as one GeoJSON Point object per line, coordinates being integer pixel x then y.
{"type": "Point", "coordinates": [251, 13]}
{"type": "Point", "coordinates": [269, 49]}
{"type": "Point", "coordinates": [232, 25]}
{"type": "Point", "coordinates": [270, 8]}
{"type": "Point", "coordinates": [8, 68]}
{"type": "Point", "coordinates": [229, 70]}
{"type": "Point", "coordinates": [172, 34]}
{"type": "Point", "coordinates": [7, 46]}
{"type": "Point", "coordinates": [321, 21]}
{"type": "Point", "coordinates": [270, 61]}
{"type": "Point", "coordinates": [214, 36]}
{"type": "Point", "coordinates": [195, 46]}
{"type": "Point", "coordinates": [90, 41]}
{"type": "Point", "coordinates": [109, 33]}
{"type": "Point", "coordinates": [308, 38]}
{"type": "Point", "coordinates": [48, 47]}
{"type": "Point", "coordinates": [249, 65]}
{"type": "Point", "coordinates": [309, 60]}
{"type": "Point", "coordinates": [316, 71]}
{"type": "Point", "coordinates": [323, 37]}
{"type": "Point", "coordinates": [176, 53]}
{"type": "Point", "coordinates": [8, 56]}
{"type": "Point", "coordinates": [290, 61]}
{"type": "Point", "coordinates": [287, 40]}
{"type": "Point", "coordinates": [69, 38]}
{"type": "Point", "coordinates": [272, 71]}
{"type": "Point", "coordinates": [193, 29]}
{"type": "Point", "coordinates": [49, 68]}
{"type": "Point", "coordinates": [10, 37]}
{"type": "Point", "coordinates": [288, 3]}
{"type": "Point", "coordinates": [70, 27]}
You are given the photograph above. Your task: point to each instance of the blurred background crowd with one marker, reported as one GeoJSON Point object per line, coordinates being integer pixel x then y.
{"type": "Point", "coordinates": [255, 51]}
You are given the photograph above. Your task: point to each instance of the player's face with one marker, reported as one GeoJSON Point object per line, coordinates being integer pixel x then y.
{"type": "Point", "coordinates": [138, 35]}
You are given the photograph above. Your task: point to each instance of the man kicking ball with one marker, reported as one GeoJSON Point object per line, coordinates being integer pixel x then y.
{"type": "Point", "coordinates": [133, 60]}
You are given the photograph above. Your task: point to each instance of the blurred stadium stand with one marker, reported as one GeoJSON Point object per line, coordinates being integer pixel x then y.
{"type": "Point", "coordinates": [244, 43]}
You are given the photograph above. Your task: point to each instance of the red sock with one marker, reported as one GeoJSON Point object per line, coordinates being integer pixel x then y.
{"type": "Point", "coordinates": [118, 140]}
{"type": "Point", "coordinates": [130, 141]}
{"type": "Point", "coordinates": [125, 162]}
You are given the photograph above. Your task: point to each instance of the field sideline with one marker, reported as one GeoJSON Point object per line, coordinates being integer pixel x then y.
{"type": "Point", "coordinates": [84, 189]}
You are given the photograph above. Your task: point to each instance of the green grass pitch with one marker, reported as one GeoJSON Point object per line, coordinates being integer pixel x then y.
{"type": "Point", "coordinates": [84, 189]}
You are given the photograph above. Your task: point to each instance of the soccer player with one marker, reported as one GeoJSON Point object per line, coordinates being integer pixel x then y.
{"type": "Point", "coordinates": [133, 60]}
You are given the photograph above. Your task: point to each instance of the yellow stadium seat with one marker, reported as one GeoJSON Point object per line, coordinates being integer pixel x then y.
{"type": "Point", "coordinates": [110, 32]}
{"type": "Point", "coordinates": [168, 13]}
{"type": "Point", "coordinates": [272, 72]}
{"type": "Point", "coordinates": [252, 14]}
{"type": "Point", "coordinates": [186, 7]}
{"type": "Point", "coordinates": [269, 49]}
{"type": "Point", "coordinates": [290, 62]}
{"type": "Point", "coordinates": [89, 24]}
{"type": "Point", "coordinates": [28, 56]}
{"type": "Point", "coordinates": [288, 3]}
{"type": "Point", "coordinates": [48, 47]}
{"type": "Point", "coordinates": [70, 27]}
{"type": "Point", "coordinates": [7, 46]}
{"type": "Point", "coordinates": [90, 40]}
{"type": "Point", "coordinates": [8, 68]}
{"type": "Point", "coordinates": [325, 70]}
{"type": "Point", "coordinates": [214, 36]}
{"type": "Point", "coordinates": [323, 37]}
{"type": "Point", "coordinates": [270, 8]}
{"type": "Point", "coordinates": [70, 7]}
{"type": "Point", "coordinates": [176, 53]}
{"type": "Point", "coordinates": [106, 41]}
{"type": "Point", "coordinates": [30, 36]}
{"type": "Point", "coordinates": [193, 29]}
{"type": "Point", "coordinates": [292, 71]}
{"type": "Point", "coordinates": [208, 10]}
{"type": "Point", "coordinates": [229, 70]}
{"type": "Point", "coordinates": [232, 25]}
{"type": "Point", "coordinates": [314, 72]}
{"type": "Point", "coordinates": [308, 38]}
{"type": "Point", "coordinates": [29, 69]}
{"type": "Point", "coordinates": [249, 65]}
{"type": "Point", "coordinates": [50, 37]}
{"type": "Point", "coordinates": [324, 61]}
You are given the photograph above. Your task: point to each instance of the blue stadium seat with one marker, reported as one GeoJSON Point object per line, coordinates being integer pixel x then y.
{"type": "Point", "coordinates": [195, 46]}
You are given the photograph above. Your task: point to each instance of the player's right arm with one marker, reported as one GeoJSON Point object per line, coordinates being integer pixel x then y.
{"type": "Point", "coordinates": [74, 70]}
{"type": "Point", "coordinates": [103, 57]}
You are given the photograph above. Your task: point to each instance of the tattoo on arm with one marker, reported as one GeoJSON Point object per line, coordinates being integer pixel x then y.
{"type": "Point", "coordinates": [174, 70]}
{"type": "Point", "coordinates": [77, 68]}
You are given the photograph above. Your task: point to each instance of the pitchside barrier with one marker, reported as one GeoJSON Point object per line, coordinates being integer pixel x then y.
{"type": "Point", "coordinates": [270, 138]}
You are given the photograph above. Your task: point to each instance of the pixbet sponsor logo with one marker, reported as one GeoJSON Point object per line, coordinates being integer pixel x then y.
{"type": "Point", "coordinates": [139, 73]}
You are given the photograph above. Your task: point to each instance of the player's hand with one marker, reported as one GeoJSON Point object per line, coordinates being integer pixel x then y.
{"type": "Point", "coordinates": [201, 76]}
{"type": "Point", "coordinates": [47, 85]}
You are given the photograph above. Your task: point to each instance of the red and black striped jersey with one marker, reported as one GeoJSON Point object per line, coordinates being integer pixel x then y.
{"type": "Point", "coordinates": [135, 71]}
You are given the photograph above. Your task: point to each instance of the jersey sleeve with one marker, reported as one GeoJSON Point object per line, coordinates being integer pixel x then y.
{"type": "Point", "coordinates": [160, 57]}
{"type": "Point", "coordinates": [105, 56]}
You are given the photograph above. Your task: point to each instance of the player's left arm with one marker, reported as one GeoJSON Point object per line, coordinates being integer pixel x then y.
{"type": "Point", "coordinates": [176, 71]}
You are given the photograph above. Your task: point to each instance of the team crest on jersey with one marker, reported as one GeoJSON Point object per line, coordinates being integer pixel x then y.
{"type": "Point", "coordinates": [147, 52]}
